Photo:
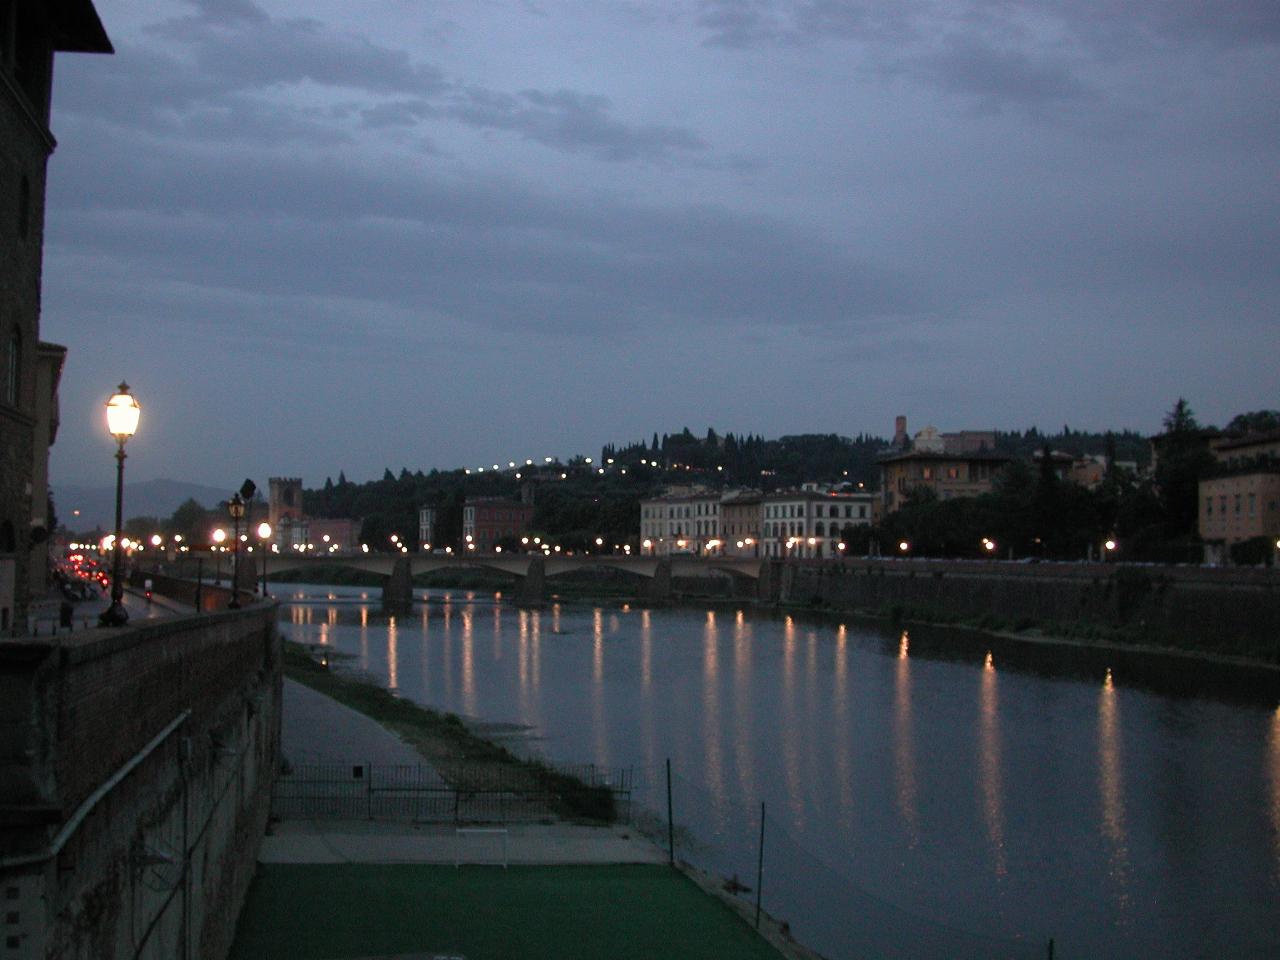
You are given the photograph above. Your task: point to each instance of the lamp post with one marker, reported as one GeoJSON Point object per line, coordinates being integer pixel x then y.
{"type": "Point", "coordinates": [236, 509]}
{"type": "Point", "coordinates": [122, 423]}
{"type": "Point", "coordinates": [219, 536]}
{"type": "Point", "coordinates": [264, 539]}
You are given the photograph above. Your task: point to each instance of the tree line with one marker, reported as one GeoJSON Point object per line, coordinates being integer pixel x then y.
{"type": "Point", "coordinates": [1031, 511]}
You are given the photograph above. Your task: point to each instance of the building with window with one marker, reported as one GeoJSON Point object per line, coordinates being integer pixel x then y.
{"type": "Point", "coordinates": [489, 521]}
{"type": "Point", "coordinates": [293, 529]}
{"type": "Point", "coordinates": [427, 528]}
{"type": "Point", "coordinates": [685, 522]}
{"type": "Point", "coordinates": [740, 523]}
{"type": "Point", "coordinates": [951, 465]}
{"type": "Point", "coordinates": [1240, 499]}
{"type": "Point", "coordinates": [31, 33]}
{"type": "Point", "coordinates": [810, 522]}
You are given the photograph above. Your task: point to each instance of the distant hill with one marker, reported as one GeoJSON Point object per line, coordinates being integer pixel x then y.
{"type": "Point", "coordinates": [147, 498]}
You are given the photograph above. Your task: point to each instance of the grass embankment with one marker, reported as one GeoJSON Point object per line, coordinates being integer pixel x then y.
{"type": "Point", "coordinates": [445, 741]}
{"type": "Point", "coordinates": [570, 913]}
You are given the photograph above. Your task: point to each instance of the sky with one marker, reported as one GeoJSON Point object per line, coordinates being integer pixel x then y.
{"type": "Point", "coordinates": [358, 234]}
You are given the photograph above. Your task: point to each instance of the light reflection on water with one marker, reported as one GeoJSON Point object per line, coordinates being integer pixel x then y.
{"type": "Point", "coordinates": [904, 751]}
{"type": "Point", "coordinates": [1015, 802]}
{"type": "Point", "coordinates": [991, 776]}
{"type": "Point", "coordinates": [1273, 768]}
{"type": "Point", "coordinates": [1111, 790]}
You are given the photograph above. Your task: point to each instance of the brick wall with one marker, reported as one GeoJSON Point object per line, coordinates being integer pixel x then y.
{"type": "Point", "coordinates": [179, 720]}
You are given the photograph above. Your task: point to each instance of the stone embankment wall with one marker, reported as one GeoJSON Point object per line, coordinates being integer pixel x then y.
{"type": "Point", "coordinates": [1232, 612]}
{"type": "Point", "coordinates": [135, 777]}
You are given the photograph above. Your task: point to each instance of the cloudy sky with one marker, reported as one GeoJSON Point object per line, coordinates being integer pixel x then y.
{"type": "Point", "coordinates": [351, 234]}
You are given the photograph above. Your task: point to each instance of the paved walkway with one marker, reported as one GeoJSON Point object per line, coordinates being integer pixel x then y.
{"type": "Point", "coordinates": [337, 841]}
{"type": "Point", "coordinates": [318, 729]}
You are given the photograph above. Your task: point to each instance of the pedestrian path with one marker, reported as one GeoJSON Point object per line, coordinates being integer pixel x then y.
{"type": "Point", "coordinates": [318, 729]}
{"type": "Point", "coordinates": [526, 844]}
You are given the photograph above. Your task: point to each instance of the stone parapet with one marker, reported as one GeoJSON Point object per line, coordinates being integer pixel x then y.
{"type": "Point", "coordinates": [135, 774]}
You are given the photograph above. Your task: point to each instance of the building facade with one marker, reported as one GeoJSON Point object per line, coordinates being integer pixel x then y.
{"type": "Point", "coordinates": [488, 521]}
{"type": "Point", "coordinates": [292, 529]}
{"type": "Point", "coordinates": [811, 522]}
{"type": "Point", "coordinates": [1240, 499]}
{"type": "Point", "coordinates": [426, 528]}
{"type": "Point", "coordinates": [740, 523]}
{"type": "Point", "coordinates": [681, 524]}
{"type": "Point", "coordinates": [31, 32]}
{"type": "Point", "coordinates": [951, 465]}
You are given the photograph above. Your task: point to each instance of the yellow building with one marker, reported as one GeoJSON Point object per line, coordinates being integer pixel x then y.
{"type": "Point", "coordinates": [935, 462]}
{"type": "Point", "coordinates": [1241, 500]}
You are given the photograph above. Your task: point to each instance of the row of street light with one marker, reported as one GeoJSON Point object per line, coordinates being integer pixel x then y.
{"type": "Point", "coordinates": [123, 415]}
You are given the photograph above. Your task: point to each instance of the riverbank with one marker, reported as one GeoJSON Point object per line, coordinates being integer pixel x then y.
{"type": "Point", "coordinates": [1087, 652]}
{"type": "Point", "coordinates": [444, 740]}
{"type": "Point", "coordinates": [441, 739]}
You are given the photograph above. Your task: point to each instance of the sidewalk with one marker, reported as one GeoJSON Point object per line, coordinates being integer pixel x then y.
{"type": "Point", "coordinates": [45, 614]}
{"type": "Point", "coordinates": [316, 729]}
{"type": "Point", "coordinates": [526, 844]}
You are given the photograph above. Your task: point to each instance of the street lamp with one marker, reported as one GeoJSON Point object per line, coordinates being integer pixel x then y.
{"type": "Point", "coordinates": [122, 423]}
{"type": "Point", "coordinates": [236, 509]}
{"type": "Point", "coordinates": [219, 536]}
{"type": "Point", "coordinates": [264, 535]}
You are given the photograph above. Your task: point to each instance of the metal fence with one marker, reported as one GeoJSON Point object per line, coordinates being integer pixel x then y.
{"type": "Point", "coordinates": [458, 792]}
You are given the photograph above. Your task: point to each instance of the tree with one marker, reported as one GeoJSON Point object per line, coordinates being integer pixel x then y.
{"type": "Point", "coordinates": [1180, 419]}
{"type": "Point", "coordinates": [1257, 421]}
{"type": "Point", "coordinates": [191, 520]}
{"type": "Point", "coordinates": [1184, 459]}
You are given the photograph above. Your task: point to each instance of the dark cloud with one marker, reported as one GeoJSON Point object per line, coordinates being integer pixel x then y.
{"type": "Point", "coordinates": [996, 77]}
{"type": "Point", "coordinates": [738, 24]}
{"type": "Point", "coordinates": [228, 11]}
{"type": "Point", "coordinates": [240, 54]}
{"type": "Point", "coordinates": [507, 256]}
{"type": "Point", "coordinates": [574, 122]}
{"type": "Point", "coordinates": [1003, 52]}
{"type": "Point", "coordinates": [1115, 26]}
{"type": "Point", "coordinates": [220, 75]}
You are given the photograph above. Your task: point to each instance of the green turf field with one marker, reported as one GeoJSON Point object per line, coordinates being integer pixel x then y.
{"type": "Point", "coordinates": [487, 913]}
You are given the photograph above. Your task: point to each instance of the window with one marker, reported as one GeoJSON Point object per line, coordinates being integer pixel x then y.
{"type": "Point", "coordinates": [1208, 506]}
{"type": "Point", "coordinates": [1252, 504]}
{"type": "Point", "coordinates": [953, 473]}
{"type": "Point", "coordinates": [927, 473]}
{"type": "Point", "coordinates": [1238, 504]}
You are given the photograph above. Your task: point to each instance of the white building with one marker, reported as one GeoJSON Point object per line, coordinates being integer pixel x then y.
{"type": "Point", "coordinates": [681, 524]}
{"type": "Point", "coordinates": [426, 528]}
{"type": "Point", "coordinates": [810, 522]}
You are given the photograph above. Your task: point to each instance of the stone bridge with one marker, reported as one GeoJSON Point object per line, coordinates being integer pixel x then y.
{"type": "Point", "coordinates": [530, 570]}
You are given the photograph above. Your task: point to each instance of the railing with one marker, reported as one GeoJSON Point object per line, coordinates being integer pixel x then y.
{"type": "Point", "coordinates": [459, 792]}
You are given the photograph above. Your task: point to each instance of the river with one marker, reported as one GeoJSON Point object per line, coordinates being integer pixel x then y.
{"type": "Point", "coordinates": [929, 793]}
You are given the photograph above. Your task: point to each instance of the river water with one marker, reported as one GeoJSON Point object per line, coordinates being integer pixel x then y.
{"type": "Point", "coordinates": [929, 793]}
